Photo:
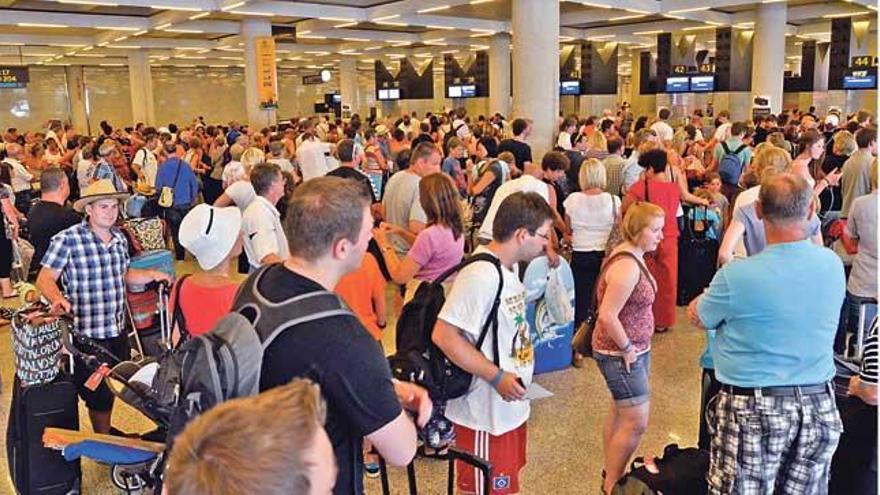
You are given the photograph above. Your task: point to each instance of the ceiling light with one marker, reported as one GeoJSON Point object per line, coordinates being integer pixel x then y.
{"type": "Point", "coordinates": [118, 28]}
{"type": "Point", "coordinates": [104, 43]}
{"type": "Point", "coordinates": [112, 65]}
{"type": "Point", "coordinates": [121, 38]}
{"type": "Point", "coordinates": [345, 25]}
{"type": "Point", "coordinates": [603, 37]}
{"type": "Point", "coordinates": [449, 52]}
{"type": "Point", "coordinates": [232, 6]}
{"type": "Point", "coordinates": [185, 31]}
{"type": "Point", "coordinates": [627, 17]}
{"type": "Point", "coordinates": [316, 52]}
{"type": "Point", "coordinates": [143, 31]}
{"type": "Point", "coordinates": [355, 39]}
{"type": "Point", "coordinates": [425, 55]}
{"type": "Point", "coordinates": [390, 23]}
{"type": "Point", "coordinates": [70, 45]}
{"type": "Point", "coordinates": [670, 16]}
{"type": "Point", "coordinates": [371, 48]}
{"type": "Point", "coordinates": [477, 2]}
{"type": "Point", "coordinates": [847, 14]}
{"type": "Point", "coordinates": [433, 9]}
{"type": "Point", "coordinates": [231, 58]}
{"type": "Point", "coordinates": [646, 33]}
{"type": "Point", "coordinates": [39, 54]}
{"type": "Point", "coordinates": [164, 26]}
{"type": "Point", "coordinates": [40, 25]}
{"type": "Point", "coordinates": [218, 66]}
{"type": "Point", "coordinates": [692, 9]}
{"type": "Point", "coordinates": [130, 47]}
{"type": "Point", "coordinates": [447, 28]}
{"type": "Point", "coordinates": [599, 5]}
{"type": "Point", "coordinates": [713, 23]}
{"type": "Point", "coordinates": [88, 48]}
{"type": "Point", "coordinates": [637, 11]}
{"type": "Point", "coordinates": [174, 7]}
{"type": "Point", "coordinates": [199, 16]}
{"type": "Point", "coordinates": [566, 38]}
{"type": "Point", "coordinates": [697, 28]}
{"type": "Point", "coordinates": [89, 2]}
{"type": "Point", "coordinates": [90, 55]}
{"type": "Point", "coordinates": [311, 37]}
{"type": "Point", "coordinates": [248, 12]}
{"type": "Point", "coordinates": [480, 35]}
{"type": "Point", "coordinates": [342, 19]}
{"type": "Point", "coordinates": [386, 18]}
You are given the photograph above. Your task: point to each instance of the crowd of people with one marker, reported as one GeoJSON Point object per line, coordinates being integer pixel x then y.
{"type": "Point", "coordinates": [317, 205]}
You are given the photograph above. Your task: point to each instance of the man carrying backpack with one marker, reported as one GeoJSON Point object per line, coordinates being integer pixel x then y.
{"type": "Point", "coordinates": [490, 419]}
{"type": "Point", "coordinates": [328, 227]}
{"type": "Point", "coordinates": [732, 157]}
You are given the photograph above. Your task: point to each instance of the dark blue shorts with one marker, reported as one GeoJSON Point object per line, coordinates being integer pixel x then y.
{"type": "Point", "coordinates": [627, 388]}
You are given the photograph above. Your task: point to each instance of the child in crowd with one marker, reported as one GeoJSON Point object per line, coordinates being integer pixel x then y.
{"type": "Point", "coordinates": [712, 183]}
{"type": "Point", "coordinates": [707, 219]}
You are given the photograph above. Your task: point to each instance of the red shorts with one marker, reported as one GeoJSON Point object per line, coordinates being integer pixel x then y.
{"type": "Point", "coordinates": [506, 453]}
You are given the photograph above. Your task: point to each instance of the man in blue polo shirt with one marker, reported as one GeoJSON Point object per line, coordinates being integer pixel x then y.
{"type": "Point", "coordinates": [179, 176]}
{"type": "Point", "coordinates": [774, 424]}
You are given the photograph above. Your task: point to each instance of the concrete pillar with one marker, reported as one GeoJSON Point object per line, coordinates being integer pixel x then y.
{"type": "Point", "coordinates": [141, 87]}
{"type": "Point", "coordinates": [499, 74]}
{"type": "Point", "coordinates": [251, 29]}
{"type": "Point", "coordinates": [768, 72]}
{"type": "Point", "coordinates": [76, 99]}
{"type": "Point", "coordinates": [536, 69]}
{"type": "Point", "coordinates": [348, 86]}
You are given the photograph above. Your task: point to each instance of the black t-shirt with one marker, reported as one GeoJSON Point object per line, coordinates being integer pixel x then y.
{"type": "Point", "coordinates": [340, 355]}
{"type": "Point", "coordinates": [354, 174]}
{"type": "Point", "coordinates": [491, 146]}
{"type": "Point", "coordinates": [521, 151]}
{"type": "Point", "coordinates": [45, 219]}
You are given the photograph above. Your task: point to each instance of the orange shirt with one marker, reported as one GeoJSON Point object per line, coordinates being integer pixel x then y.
{"type": "Point", "coordinates": [203, 307]}
{"type": "Point", "coordinates": [359, 288]}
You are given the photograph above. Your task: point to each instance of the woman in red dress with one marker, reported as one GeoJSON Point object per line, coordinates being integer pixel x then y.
{"type": "Point", "coordinates": [657, 188]}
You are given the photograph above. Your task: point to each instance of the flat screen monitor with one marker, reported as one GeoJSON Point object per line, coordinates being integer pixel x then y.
{"type": "Point", "coordinates": [860, 80]}
{"type": "Point", "coordinates": [337, 98]}
{"type": "Point", "coordinates": [570, 88]}
{"type": "Point", "coordinates": [468, 91]}
{"type": "Point", "coordinates": [454, 91]}
{"type": "Point", "coordinates": [703, 83]}
{"type": "Point", "coordinates": [383, 94]}
{"type": "Point", "coordinates": [677, 85]}
{"type": "Point", "coordinates": [393, 94]}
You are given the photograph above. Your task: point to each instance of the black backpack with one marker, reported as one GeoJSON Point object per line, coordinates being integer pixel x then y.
{"type": "Point", "coordinates": [417, 359]}
{"type": "Point", "coordinates": [226, 362]}
{"type": "Point", "coordinates": [680, 471]}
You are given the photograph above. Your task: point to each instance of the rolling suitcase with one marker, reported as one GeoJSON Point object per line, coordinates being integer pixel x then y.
{"type": "Point", "coordinates": [452, 456]}
{"type": "Point", "coordinates": [35, 469]}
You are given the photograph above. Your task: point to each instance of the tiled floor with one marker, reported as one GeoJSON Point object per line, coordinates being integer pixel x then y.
{"type": "Point", "coordinates": [565, 445]}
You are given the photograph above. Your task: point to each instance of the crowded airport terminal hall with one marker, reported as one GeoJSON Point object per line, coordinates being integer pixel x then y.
{"type": "Point", "coordinates": [539, 247]}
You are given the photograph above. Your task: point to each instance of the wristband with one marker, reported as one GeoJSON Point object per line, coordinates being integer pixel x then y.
{"type": "Point", "coordinates": [495, 381]}
{"type": "Point", "coordinates": [628, 347]}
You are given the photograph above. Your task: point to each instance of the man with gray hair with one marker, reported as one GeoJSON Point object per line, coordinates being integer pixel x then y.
{"type": "Point", "coordinates": [774, 424]}
{"type": "Point", "coordinates": [104, 169]}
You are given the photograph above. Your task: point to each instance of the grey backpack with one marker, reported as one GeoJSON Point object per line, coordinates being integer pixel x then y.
{"type": "Point", "coordinates": [225, 363]}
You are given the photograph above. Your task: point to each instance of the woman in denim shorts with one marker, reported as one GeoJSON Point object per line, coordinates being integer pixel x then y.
{"type": "Point", "coordinates": [622, 335]}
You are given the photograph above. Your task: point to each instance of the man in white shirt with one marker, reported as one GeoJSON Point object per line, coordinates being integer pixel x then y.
{"type": "Point", "coordinates": [664, 130]}
{"type": "Point", "coordinates": [311, 155]}
{"type": "Point", "coordinates": [20, 177]}
{"type": "Point", "coordinates": [491, 417]}
{"type": "Point", "coordinates": [459, 125]}
{"type": "Point", "coordinates": [145, 163]}
{"type": "Point", "coordinates": [401, 200]}
{"type": "Point", "coordinates": [234, 171]}
{"type": "Point", "coordinates": [264, 239]}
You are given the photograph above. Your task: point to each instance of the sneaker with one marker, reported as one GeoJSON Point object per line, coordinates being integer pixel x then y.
{"type": "Point", "coordinates": [371, 469]}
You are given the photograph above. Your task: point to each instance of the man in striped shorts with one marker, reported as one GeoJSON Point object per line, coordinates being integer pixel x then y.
{"type": "Point", "coordinates": [774, 424]}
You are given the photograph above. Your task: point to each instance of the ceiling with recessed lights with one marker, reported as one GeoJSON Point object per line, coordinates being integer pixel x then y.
{"type": "Point", "coordinates": [208, 32]}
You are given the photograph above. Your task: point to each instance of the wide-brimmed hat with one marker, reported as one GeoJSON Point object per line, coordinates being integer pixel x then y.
{"type": "Point", "coordinates": [98, 190]}
{"type": "Point", "coordinates": [381, 130]}
{"type": "Point", "coordinates": [209, 233]}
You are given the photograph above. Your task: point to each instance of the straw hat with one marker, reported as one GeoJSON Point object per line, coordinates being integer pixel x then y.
{"type": "Point", "coordinates": [98, 190]}
{"type": "Point", "coordinates": [381, 130]}
{"type": "Point", "coordinates": [209, 233]}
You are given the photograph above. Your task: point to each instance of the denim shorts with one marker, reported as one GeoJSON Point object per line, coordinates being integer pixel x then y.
{"type": "Point", "coordinates": [627, 388]}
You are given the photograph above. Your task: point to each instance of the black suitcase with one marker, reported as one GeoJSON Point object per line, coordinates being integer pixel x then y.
{"type": "Point", "coordinates": [35, 469]}
{"type": "Point", "coordinates": [697, 259]}
{"type": "Point", "coordinates": [452, 456]}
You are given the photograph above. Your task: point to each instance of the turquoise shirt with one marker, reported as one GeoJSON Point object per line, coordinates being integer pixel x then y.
{"type": "Point", "coordinates": [775, 316]}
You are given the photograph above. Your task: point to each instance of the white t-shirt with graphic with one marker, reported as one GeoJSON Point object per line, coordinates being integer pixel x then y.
{"type": "Point", "coordinates": [467, 307]}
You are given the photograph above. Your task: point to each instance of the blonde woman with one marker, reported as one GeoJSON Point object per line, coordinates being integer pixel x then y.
{"type": "Point", "coordinates": [744, 225]}
{"type": "Point", "coordinates": [597, 146]}
{"type": "Point", "coordinates": [622, 337]}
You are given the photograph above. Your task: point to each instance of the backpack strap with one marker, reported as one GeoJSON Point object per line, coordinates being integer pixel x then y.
{"type": "Point", "coordinates": [272, 318]}
{"type": "Point", "coordinates": [492, 320]}
{"type": "Point", "coordinates": [725, 148]}
{"type": "Point", "coordinates": [177, 316]}
{"type": "Point", "coordinates": [739, 149]}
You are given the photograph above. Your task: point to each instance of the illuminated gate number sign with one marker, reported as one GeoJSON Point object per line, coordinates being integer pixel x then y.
{"type": "Point", "coordinates": [13, 77]}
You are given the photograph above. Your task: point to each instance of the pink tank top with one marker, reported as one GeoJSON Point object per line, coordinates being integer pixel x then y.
{"type": "Point", "coordinates": [636, 316]}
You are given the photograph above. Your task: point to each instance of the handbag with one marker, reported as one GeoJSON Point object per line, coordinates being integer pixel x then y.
{"type": "Point", "coordinates": [166, 196]}
{"type": "Point", "coordinates": [582, 342]}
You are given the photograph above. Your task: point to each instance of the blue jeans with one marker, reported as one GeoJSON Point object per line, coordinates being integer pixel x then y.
{"type": "Point", "coordinates": [628, 388]}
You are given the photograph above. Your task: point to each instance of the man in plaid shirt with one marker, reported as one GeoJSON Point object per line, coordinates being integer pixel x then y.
{"type": "Point", "coordinates": [774, 424]}
{"type": "Point", "coordinates": [91, 258]}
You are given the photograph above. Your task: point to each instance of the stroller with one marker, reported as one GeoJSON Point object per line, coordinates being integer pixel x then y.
{"type": "Point", "coordinates": [137, 461]}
